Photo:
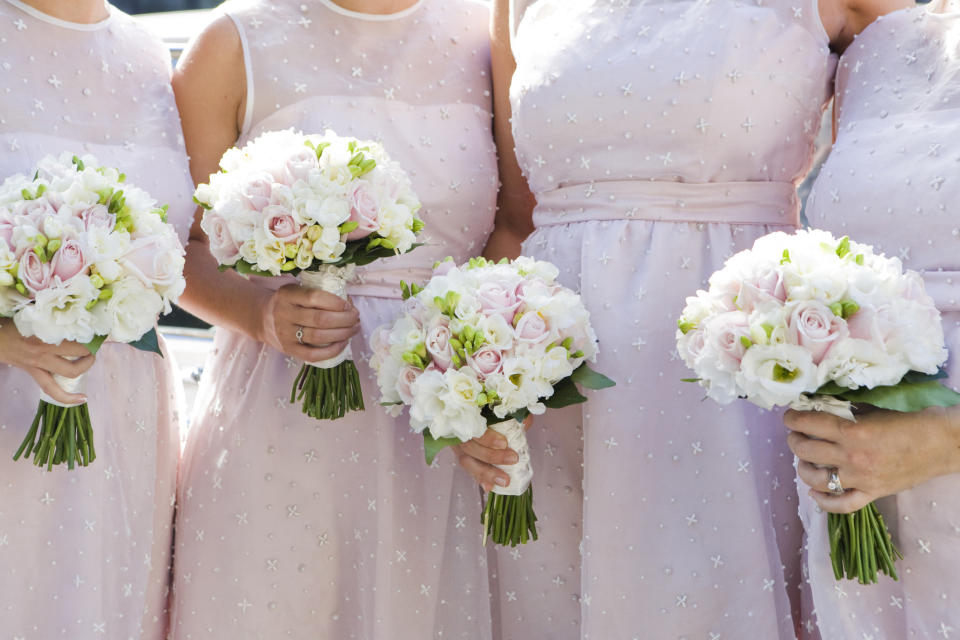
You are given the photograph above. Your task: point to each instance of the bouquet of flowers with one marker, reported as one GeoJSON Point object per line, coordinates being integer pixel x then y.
{"type": "Point", "coordinates": [84, 257]}
{"type": "Point", "coordinates": [486, 345]}
{"type": "Point", "coordinates": [314, 206]}
{"type": "Point", "coordinates": [815, 323]}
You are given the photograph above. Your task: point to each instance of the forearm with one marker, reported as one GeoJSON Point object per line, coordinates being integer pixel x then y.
{"type": "Point", "coordinates": [503, 243]}
{"type": "Point", "coordinates": [222, 298]}
{"type": "Point", "coordinates": [951, 440]}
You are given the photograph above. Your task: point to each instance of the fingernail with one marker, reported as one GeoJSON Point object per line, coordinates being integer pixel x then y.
{"type": "Point", "coordinates": [502, 482]}
{"type": "Point", "coordinates": [513, 458]}
{"type": "Point", "coordinates": [500, 443]}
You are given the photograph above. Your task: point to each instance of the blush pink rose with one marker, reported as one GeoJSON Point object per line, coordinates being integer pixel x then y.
{"type": "Point", "coordinates": [498, 299]}
{"type": "Point", "coordinates": [6, 232]}
{"type": "Point", "coordinates": [98, 217]}
{"type": "Point", "coordinates": [34, 273]}
{"type": "Point", "coordinates": [155, 262]}
{"type": "Point", "coordinates": [222, 245]}
{"type": "Point", "coordinates": [814, 327]}
{"type": "Point", "coordinates": [724, 332]}
{"type": "Point", "coordinates": [405, 381]}
{"type": "Point", "coordinates": [364, 210]}
{"type": "Point", "coordinates": [532, 328]}
{"type": "Point", "coordinates": [438, 346]}
{"type": "Point", "coordinates": [486, 361]}
{"type": "Point", "coordinates": [298, 165]}
{"type": "Point", "coordinates": [279, 224]}
{"type": "Point", "coordinates": [34, 211]}
{"type": "Point", "coordinates": [257, 189]}
{"type": "Point", "coordinates": [68, 261]}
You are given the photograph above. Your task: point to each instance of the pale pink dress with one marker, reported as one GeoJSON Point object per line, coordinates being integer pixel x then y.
{"type": "Point", "coordinates": [86, 553]}
{"type": "Point", "coordinates": [659, 137]}
{"type": "Point", "coordinates": [892, 181]}
{"type": "Point", "coordinates": [290, 527]}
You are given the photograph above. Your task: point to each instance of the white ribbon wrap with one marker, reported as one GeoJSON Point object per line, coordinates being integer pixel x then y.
{"type": "Point", "coordinates": [826, 404]}
{"type": "Point", "coordinates": [521, 473]}
{"type": "Point", "coordinates": [332, 280]}
{"type": "Point", "coordinates": [69, 385]}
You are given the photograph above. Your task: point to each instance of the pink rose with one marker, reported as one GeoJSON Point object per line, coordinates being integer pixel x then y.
{"type": "Point", "coordinates": [154, 262]}
{"type": "Point", "coordinates": [6, 232]}
{"type": "Point", "coordinates": [532, 328]}
{"type": "Point", "coordinates": [299, 164]}
{"type": "Point", "coordinates": [724, 332]}
{"type": "Point", "coordinates": [280, 224]}
{"type": "Point", "coordinates": [68, 261]}
{"type": "Point", "coordinates": [364, 210]}
{"type": "Point", "coordinates": [438, 346]}
{"type": "Point", "coordinates": [486, 361]}
{"type": "Point", "coordinates": [406, 379]}
{"type": "Point", "coordinates": [98, 217]}
{"type": "Point", "coordinates": [498, 299]}
{"type": "Point", "coordinates": [34, 273]}
{"type": "Point", "coordinates": [222, 245]}
{"type": "Point", "coordinates": [751, 296]}
{"type": "Point", "coordinates": [814, 327]}
{"type": "Point", "coordinates": [257, 189]}
{"type": "Point", "coordinates": [34, 210]}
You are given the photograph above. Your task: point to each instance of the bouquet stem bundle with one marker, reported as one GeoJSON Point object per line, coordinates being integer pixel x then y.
{"type": "Point", "coordinates": [860, 545]}
{"type": "Point", "coordinates": [59, 435]}
{"type": "Point", "coordinates": [328, 394]}
{"type": "Point", "coordinates": [510, 520]}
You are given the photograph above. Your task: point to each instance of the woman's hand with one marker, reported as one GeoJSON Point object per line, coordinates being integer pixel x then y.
{"type": "Point", "coordinates": [42, 360]}
{"type": "Point", "coordinates": [881, 454]}
{"type": "Point", "coordinates": [327, 323]}
{"type": "Point", "coordinates": [479, 455]}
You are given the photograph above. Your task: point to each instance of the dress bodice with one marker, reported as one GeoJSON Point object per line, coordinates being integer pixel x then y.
{"type": "Point", "coordinates": [101, 88]}
{"type": "Point", "coordinates": [891, 178]}
{"type": "Point", "coordinates": [417, 80]}
{"type": "Point", "coordinates": [693, 91]}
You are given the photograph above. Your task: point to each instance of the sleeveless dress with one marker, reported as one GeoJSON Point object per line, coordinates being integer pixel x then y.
{"type": "Point", "coordinates": [660, 137]}
{"type": "Point", "coordinates": [86, 553]}
{"type": "Point", "coordinates": [290, 527]}
{"type": "Point", "coordinates": [892, 181]}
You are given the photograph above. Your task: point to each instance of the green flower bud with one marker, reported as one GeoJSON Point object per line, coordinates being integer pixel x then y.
{"type": "Point", "coordinates": [97, 281]}
{"type": "Point", "coordinates": [348, 226]}
{"type": "Point", "coordinates": [19, 287]}
{"type": "Point", "coordinates": [746, 342]}
{"type": "Point", "coordinates": [290, 251]}
{"type": "Point", "coordinates": [844, 247]}
{"type": "Point", "coordinates": [685, 326]}
{"type": "Point", "coordinates": [421, 350]}
{"type": "Point", "coordinates": [53, 245]}
{"type": "Point", "coordinates": [289, 265]}
{"type": "Point", "coordinates": [482, 399]}
{"type": "Point", "coordinates": [314, 232]}
{"type": "Point", "coordinates": [837, 309]}
{"type": "Point", "coordinates": [849, 307]}
{"type": "Point", "coordinates": [105, 294]}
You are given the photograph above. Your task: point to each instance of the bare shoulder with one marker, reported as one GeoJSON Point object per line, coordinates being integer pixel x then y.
{"type": "Point", "coordinates": [216, 48]}
{"type": "Point", "coordinates": [844, 19]}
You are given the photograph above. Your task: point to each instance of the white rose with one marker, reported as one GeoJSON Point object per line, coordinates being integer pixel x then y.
{"type": "Point", "coordinates": [328, 247]}
{"type": "Point", "coordinates": [427, 405]}
{"type": "Point", "coordinates": [555, 365]}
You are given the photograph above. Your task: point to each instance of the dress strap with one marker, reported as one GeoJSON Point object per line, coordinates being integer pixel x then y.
{"type": "Point", "coordinates": [248, 70]}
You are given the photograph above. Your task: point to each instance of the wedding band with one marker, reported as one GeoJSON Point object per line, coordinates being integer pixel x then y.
{"type": "Point", "coordinates": [299, 335]}
{"type": "Point", "coordinates": [833, 483]}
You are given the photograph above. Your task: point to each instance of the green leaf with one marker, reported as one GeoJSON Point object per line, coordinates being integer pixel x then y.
{"type": "Point", "coordinates": [94, 345]}
{"type": "Point", "coordinates": [906, 396]}
{"type": "Point", "coordinates": [432, 446]}
{"type": "Point", "coordinates": [591, 379]}
{"type": "Point", "coordinates": [696, 380]}
{"type": "Point", "coordinates": [565, 393]}
{"type": "Point", "coordinates": [148, 342]}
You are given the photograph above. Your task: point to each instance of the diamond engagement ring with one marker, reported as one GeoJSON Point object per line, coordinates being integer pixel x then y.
{"type": "Point", "coordinates": [833, 483]}
{"type": "Point", "coordinates": [299, 335]}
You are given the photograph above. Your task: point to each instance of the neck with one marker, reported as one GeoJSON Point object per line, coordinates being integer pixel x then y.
{"type": "Point", "coordinates": [81, 11]}
{"type": "Point", "coordinates": [377, 7]}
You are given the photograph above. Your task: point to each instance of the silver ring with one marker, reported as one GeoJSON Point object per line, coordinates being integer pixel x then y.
{"type": "Point", "coordinates": [833, 483]}
{"type": "Point", "coordinates": [299, 335]}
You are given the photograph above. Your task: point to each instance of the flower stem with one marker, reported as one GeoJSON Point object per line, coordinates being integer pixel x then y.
{"type": "Point", "coordinates": [861, 546]}
{"type": "Point", "coordinates": [328, 394]}
{"type": "Point", "coordinates": [509, 520]}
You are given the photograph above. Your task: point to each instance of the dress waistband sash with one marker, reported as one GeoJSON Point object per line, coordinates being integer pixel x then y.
{"type": "Point", "coordinates": [752, 203]}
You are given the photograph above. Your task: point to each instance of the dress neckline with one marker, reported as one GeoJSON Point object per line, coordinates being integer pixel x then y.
{"type": "Point", "coordinates": [372, 17]}
{"type": "Point", "coordinates": [66, 24]}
